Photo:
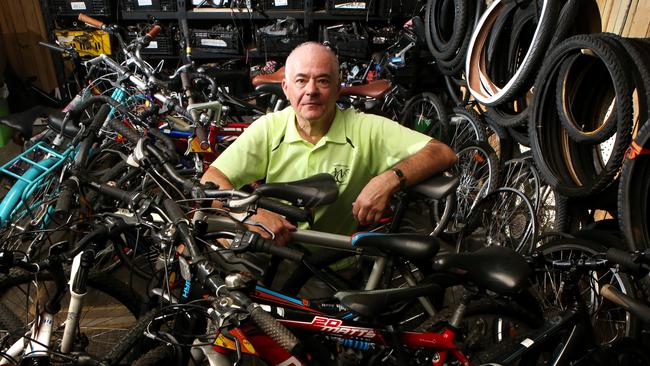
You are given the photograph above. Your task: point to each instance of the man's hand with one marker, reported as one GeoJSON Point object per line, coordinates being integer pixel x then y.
{"type": "Point", "coordinates": [274, 222]}
{"type": "Point", "coordinates": [374, 198]}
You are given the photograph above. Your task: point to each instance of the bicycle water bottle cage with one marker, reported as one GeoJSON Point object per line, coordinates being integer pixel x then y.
{"type": "Point", "coordinates": [320, 189]}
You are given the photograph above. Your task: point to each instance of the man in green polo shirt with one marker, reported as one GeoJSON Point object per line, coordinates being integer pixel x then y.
{"type": "Point", "coordinates": [370, 157]}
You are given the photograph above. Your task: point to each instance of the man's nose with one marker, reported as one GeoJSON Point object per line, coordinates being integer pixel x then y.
{"type": "Point", "coordinates": [311, 88]}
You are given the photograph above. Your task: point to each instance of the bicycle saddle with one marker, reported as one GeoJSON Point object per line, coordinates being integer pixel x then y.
{"type": "Point", "coordinates": [272, 88]}
{"type": "Point", "coordinates": [55, 122]}
{"type": "Point", "coordinates": [374, 89]}
{"type": "Point", "coordinates": [23, 121]}
{"type": "Point", "coordinates": [436, 187]}
{"type": "Point", "coordinates": [274, 78]}
{"type": "Point", "coordinates": [373, 302]}
{"type": "Point", "coordinates": [415, 247]}
{"type": "Point", "coordinates": [498, 269]}
{"type": "Point", "coordinates": [318, 190]}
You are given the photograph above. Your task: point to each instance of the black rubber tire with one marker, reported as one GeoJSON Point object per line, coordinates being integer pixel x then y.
{"type": "Point", "coordinates": [634, 193]}
{"type": "Point", "coordinates": [478, 167]}
{"type": "Point", "coordinates": [103, 291]}
{"type": "Point", "coordinates": [464, 126]}
{"type": "Point", "coordinates": [612, 56]}
{"type": "Point", "coordinates": [520, 135]}
{"type": "Point", "coordinates": [159, 356]}
{"type": "Point", "coordinates": [10, 324]}
{"type": "Point", "coordinates": [426, 107]}
{"type": "Point", "coordinates": [522, 78]}
{"type": "Point", "coordinates": [501, 141]}
{"type": "Point", "coordinates": [454, 88]}
{"type": "Point", "coordinates": [440, 48]}
{"type": "Point", "coordinates": [561, 164]}
{"type": "Point", "coordinates": [579, 246]}
{"type": "Point", "coordinates": [505, 217]}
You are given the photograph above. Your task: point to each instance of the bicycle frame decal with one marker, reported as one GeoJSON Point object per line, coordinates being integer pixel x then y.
{"type": "Point", "coordinates": [223, 342]}
{"type": "Point", "coordinates": [265, 294]}
{"type": "Point", "coordinates": [335, 326]}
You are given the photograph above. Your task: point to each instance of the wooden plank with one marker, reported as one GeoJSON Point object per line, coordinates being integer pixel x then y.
{"type": "Point", "coordinates": [606, 12]}
{"type": "Point", "coordinates": [629, 18]}
{"type": "Point", "coordinates": [641, 20]}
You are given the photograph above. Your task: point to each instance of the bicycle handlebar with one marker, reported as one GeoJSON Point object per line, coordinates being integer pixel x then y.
{"type": "Point", "coordinates": [635, 263]}
{"type": "Point", "coordinates": [153, 32]}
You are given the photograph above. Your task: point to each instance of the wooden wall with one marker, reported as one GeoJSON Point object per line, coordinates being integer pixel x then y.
{"type": "Point", "coordinates": [629, 18]}
{"type": "Point", "coordinates": [21, 28]}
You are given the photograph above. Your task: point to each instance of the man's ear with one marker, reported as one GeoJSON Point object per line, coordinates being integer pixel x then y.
{"type": "Point", "coordinates": [284, 88]}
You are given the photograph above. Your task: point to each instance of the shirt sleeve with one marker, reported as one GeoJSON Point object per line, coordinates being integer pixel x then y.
{"type": "Point", "coordinates": [246, 159]}
{"type": "Point", "coordinates": [392, 142]}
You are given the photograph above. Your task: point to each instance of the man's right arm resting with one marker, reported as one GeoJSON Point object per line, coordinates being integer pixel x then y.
{"type": "Point", "coordinates": [276, 223]}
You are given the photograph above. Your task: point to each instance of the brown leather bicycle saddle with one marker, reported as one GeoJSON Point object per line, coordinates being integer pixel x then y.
{"type": "Point", "coordinates": [273, 78]}
{"type": "Point", "coordinates": [374, 89]}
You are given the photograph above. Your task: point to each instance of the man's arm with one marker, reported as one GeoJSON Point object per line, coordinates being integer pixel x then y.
{"type": "Point", "coordinates": [433, 158]}
{"type": "Point", "coordinates": [276, 223]}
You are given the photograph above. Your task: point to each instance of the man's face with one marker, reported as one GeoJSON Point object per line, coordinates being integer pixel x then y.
{"type": "Point", "coordinates": [311, 84]}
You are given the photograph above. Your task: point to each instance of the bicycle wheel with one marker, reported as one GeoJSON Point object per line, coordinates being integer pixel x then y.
{"type": "Point", "coordinates": [520, 174]}
{"type": "Point", "coordinates": [110, 308]}
{"type": "Point", "coordinates": [504, 217]}
{"type": "Point", "coordinates": [465, 126]}
{"type": "Point", "coordinates": [610, 322]}
{"type": "Point", "coordinates": [478, 169]}
{"type": "Point", "coordinates": [425, 113]}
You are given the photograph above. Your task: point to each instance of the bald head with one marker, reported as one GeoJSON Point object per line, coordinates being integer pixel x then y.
{"type": "Point", "coordinates": [310, 51]}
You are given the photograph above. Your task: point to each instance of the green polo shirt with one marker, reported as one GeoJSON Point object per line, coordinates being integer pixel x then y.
{"type": "Point", "coordinates": [356, 148]}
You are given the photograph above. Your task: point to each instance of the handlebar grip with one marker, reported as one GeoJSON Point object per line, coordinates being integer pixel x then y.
{"type": "Point", "coordinates": [174, 211]}
{"type": "Point", "coordinates": [153, 32]}
{"type": "Point", "coordinates": [119, 194]}
{"type": "Point", "coordinates": [200, 134]}
{"type": "Point", "coordinates": [62, 207]}
{"type": "Point", "coordinates": [98, 120]}
{"type": "Point", "coordinates": [274, 329]}
{"type": "Point", "coordinates": [624, 259]}
{"type": "Point", "coordinates": [91, 21]}
{"type": "Point", "coordinates": [637, 308]}
{"type": "Point", "coordinates": [290, 212]}
{"type": "Point", "coordinates": [124, 130]}
{"type": "Point", "coordinates": [268, 246]}
{"type": "Point", "coordinates": [52, 47]}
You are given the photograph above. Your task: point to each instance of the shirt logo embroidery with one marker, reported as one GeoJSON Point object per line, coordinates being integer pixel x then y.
{"type": "Point", "coordinates": [340, 173]}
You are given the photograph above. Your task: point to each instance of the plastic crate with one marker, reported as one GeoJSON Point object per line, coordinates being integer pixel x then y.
{"type": "Point", "coordinates": [406, 8]}
{"type": "Point", "coordinates": [349, 40]}
{"type": "Point", "coordinates": [271, 42]}
{"type": "Point", "coordinates": [352, 7]}
{"type": "Point", "coordinates": [217, 40]}
{"type": "Point", "coordinates": [234, 4]}
{"type": "Point", "coordinates": [270, 5]}
{"type": "Point", "coordinates": [74, 7]}
{"type": "Point", "coordinates": [162, 45]}
{"type": "Point", "coordinates": [149, 5]}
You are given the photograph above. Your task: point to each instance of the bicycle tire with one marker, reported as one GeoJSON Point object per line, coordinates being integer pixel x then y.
{"type": "Point", "coordinates": [505, 217]}
{"type": "Point", "coordinates": [520, 173]}
{"type": "Point", "coordinates": [524, 73]}
{"type": "Point", "coordinates": [633, 193]}
{"type": "Point", "coordinates": [616, 67]}
{"type": "Point", "coordinates": [425, 113]}
{"type": "Point", "coordinates": [103, 293]}
{"type": "Point", "coordinates": [565, 249]}
{"type": "Point", "coordinates": [159, 356]}
{"type": "Point", "coordinates": [465, 126]}
{"type": "Point", "coordinates": [440, 48]}
{"type": "Point", "coordinates": [478, 169]}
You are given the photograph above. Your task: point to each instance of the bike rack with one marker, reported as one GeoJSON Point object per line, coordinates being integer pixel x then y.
{"type": "Point", "coordinates": [29, 181]}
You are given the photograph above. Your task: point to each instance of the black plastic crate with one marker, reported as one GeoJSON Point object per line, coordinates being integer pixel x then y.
{"type": "Point", "coordinates": [75, 7]}
{"type": "Point", "coordinates": [405, 8]}
{"type": "Point", "coordinates": [149, 5]}
{"type": "Point", "coordinates": [368, 7]}
{"type": "Point", "coordinates": [280, 38]}
{"type": "Point", "coordinates": [349, 40]}
{"type": "Point", "coordinates": [162, 45]}
{"type": "Point", "coordinates": [217, 40]}
{"type": "Point", "coordinates": [270, 5]}
{"type": "Point", "coordinates": [230, 4]}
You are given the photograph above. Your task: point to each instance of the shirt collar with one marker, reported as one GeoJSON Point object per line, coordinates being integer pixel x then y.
{"type": "Point", "coordinates": [335, 134]}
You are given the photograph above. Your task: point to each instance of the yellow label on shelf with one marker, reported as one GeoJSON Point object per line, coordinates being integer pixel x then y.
{"type": "Point", "coordinates": [86, 42]}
